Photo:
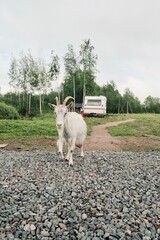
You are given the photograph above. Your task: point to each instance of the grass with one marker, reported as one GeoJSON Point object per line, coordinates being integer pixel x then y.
{"type": "Point", "coordinates": [144, 125]}
{"type": "Point", "coordinates": [44, 126]}
{"type": "Point", "coordinates": [38, 127]}
{"type": "Point", "coordinates": [28, 128]}
{"type": "Point", "coordinates": [96, 121]}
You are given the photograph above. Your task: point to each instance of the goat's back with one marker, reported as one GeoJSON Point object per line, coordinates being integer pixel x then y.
{"type": "Point", "coordinates": [75, 125]}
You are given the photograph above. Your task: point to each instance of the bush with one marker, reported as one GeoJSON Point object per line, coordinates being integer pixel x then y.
{"type": "Point", "coordinates": [8, 112]}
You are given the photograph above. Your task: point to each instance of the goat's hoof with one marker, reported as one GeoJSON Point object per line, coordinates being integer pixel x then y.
{"type": "Point", "coordinates": [61, 156]}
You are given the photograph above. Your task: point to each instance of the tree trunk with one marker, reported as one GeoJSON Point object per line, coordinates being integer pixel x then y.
{"type": "Point", "coordinates": [23, 98]}
{"type": "Point", "coordinates": [29, 103]}
{"type": "Point", "coordinates": [40, 103]}
{"type": "Point", "coordinates": [19, 99]}
{"type": "Point", "coordinates": [84, 88]}
{"type": "Point", "coordinates": [42, 100]}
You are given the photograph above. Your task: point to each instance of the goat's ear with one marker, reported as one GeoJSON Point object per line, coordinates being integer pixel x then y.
{"type": "Point", "coordinates": [52, 105]}
{"type": "Point", "coordinates": [70, 105]}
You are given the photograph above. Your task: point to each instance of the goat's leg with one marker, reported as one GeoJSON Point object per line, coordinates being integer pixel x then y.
{"type": "Point", "coordinates": [73, 141]}
{"type": "Point", "coordinates": [82, 152]}
{"type": "Point", "coordinates": [60, 144]}
{"type": "Point", "coordinates": [68, 154]}
{"type": "Point", "coordinates": [60, 148]}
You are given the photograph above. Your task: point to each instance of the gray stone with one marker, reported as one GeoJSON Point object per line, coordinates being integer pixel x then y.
{"type": "Point", "coordinates": [84, 216]}
{"type": "Point", "coordinates": [27, 228]}
{"type": "Point", "coordinates": [96, 199]}
{"type": "Point", "coordinates": [45, 233]}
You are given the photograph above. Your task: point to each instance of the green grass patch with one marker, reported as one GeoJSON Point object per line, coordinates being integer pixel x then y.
{"type": "Point", "coordinates": [93, 121]}
{"type": "Point", "coordinates": [26, 128]}
{"type": "Point", "coordinates": [41, 126]}
{"type": "Point", "coordinates": [144, 125]}
{"type": "Point", "coordinates": [45, 126]}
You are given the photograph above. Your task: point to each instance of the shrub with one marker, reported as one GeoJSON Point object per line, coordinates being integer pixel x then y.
{"type": "Point", "coordinates": [8, 112]}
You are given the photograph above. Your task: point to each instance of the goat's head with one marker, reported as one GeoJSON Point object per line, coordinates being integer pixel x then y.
{"type": "Point", "coordinates": [61, 111]}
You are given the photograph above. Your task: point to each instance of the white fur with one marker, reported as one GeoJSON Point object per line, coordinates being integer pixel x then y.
{"type": "Point", "coordinates": [72, 128]}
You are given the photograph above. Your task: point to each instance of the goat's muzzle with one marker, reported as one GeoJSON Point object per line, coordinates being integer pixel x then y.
{"type": "Point", "coordinates": [59, 126]}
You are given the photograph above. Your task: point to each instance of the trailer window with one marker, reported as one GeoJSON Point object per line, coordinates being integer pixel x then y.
{"type": "Point", "coordinates": [91, 102]}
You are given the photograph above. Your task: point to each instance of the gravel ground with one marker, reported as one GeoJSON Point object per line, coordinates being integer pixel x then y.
{"type": "Point", "coordinates": [105, 196]}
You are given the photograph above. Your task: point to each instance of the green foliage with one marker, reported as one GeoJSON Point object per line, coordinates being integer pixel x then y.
{"type": "Point", "coordinates": [80, 75]}
{"type": "Point", "coordinates": [88, 58]}
{"type": "Point", "coordinates": [8, 112]}
{"type": "Point", "coordinates": [32, 78]}
{"type": "Point", "coordinates": [68, 89]}
{"type": "Point", "coordinates": [16, 100]}
{"type": "Point", "coordinates": [70, 61]}
{"type": "Point", "coordinates": [92, 88]}
{"type": "Point", "coordinates": [152, 105]}
{"type": "Point", "coordinates": [134, 105]}
{"type": "Point", "coordinates": [54, 67]}
{"type": "Point", "coordinates": [88, 61]}
{"type": "Point", "coordinates": [113, 97]}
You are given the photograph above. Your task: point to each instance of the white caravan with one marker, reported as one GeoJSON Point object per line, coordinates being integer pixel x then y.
{"type": "Point", "coordinates": [95, 106]}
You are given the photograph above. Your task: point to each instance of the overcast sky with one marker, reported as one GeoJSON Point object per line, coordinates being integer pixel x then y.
{"type": "Point", "coordinates": [125, 34]}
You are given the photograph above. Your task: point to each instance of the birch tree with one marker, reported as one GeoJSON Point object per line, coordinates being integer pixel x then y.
{"type": "Point", "coordinates": [88, 60]}
{"type": "Point", "coordinates": [29, 75]}
{"type": "Point", "coordinates": [13, 73]}
{"type": "Point", "coordinates": [54, 70]}
{"type": "Point", "coordinates": [14, 78]}
{"type": "Point", "coordinates": [71, 66]}
{"type": "Point", "coordinates": [32, 76]}
{"type": "Point", "coordinates": [42, 82]}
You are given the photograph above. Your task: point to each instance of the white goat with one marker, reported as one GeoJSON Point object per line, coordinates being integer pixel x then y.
{"type": "Point", "coordinates": [71, 127]}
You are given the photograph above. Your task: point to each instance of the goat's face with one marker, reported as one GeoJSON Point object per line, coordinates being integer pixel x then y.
{"type": "Point", "coordinates": [61, 112]}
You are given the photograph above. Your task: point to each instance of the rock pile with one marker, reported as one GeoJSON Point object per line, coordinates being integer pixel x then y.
{"type": "Point", "coordinates": [105, 196]}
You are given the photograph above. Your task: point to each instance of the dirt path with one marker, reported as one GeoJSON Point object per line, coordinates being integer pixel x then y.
{"type": "Point", "coordinates": [100, 139]}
